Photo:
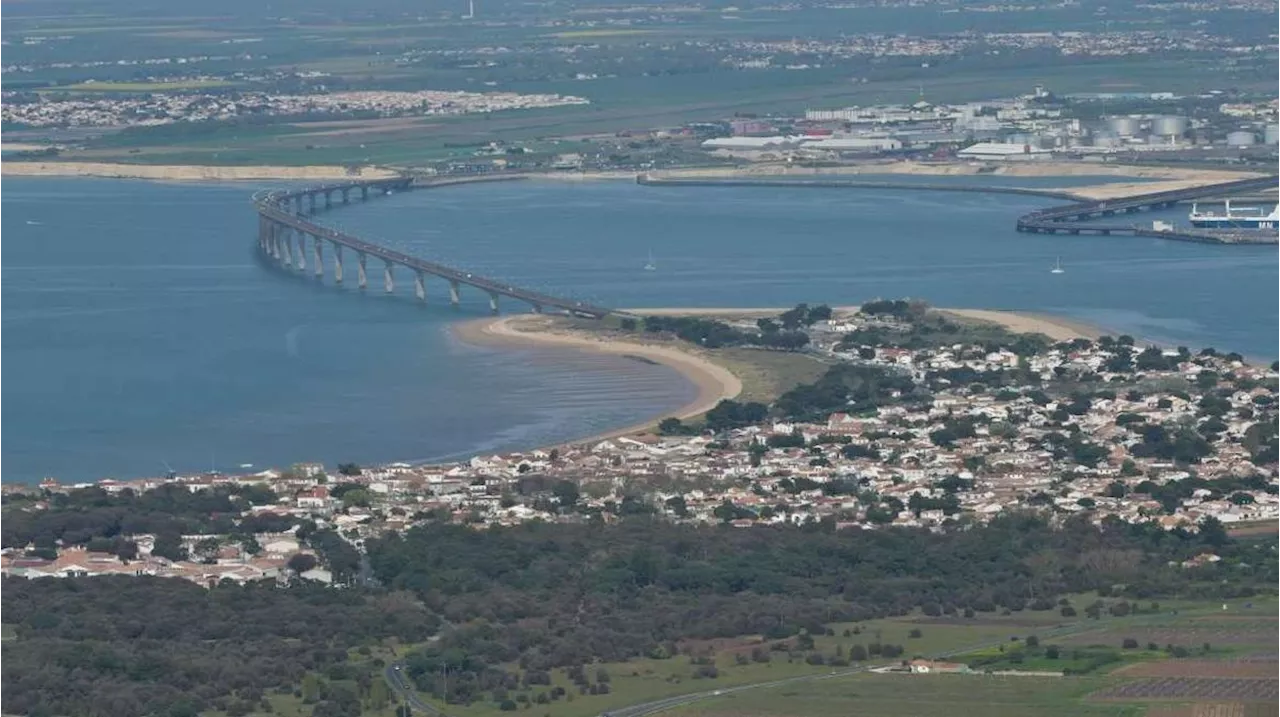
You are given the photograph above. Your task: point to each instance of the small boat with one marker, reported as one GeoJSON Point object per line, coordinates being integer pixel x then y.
{"type": "Point", "coordinates": [650, 265]}
{"type": "Point", "coordinates": [32, 223]}
{"type": "Point", "coordinates": [1057, 267]}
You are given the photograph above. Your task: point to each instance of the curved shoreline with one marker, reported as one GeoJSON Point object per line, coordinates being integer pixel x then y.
{"type": "Point", "coordinates": [713, 381]}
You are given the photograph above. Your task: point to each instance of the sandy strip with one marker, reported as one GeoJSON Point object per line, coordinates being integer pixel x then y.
{"type": "Point", "coordinates": [187, 172]}
{"type": "Point", "coordinates": [714, 382]}
{"type": "Point", "coordinates": [1056, 328]}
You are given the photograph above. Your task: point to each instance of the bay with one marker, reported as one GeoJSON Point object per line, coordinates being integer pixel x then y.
{"type": "Point", "coordinates": [141, 331]}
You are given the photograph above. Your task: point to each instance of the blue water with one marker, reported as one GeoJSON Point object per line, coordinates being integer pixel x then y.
{"type": "Point", "coordinates": [141, 331]}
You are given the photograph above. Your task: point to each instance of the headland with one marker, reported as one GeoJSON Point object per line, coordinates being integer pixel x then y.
{"type": "Point", "coordinates": [718, 374]}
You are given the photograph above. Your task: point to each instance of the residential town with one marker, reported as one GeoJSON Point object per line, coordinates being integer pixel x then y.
{"type": "Point", "coordinates": [1103, 428]}
{"type": "Point", "coordinates": [156, 109]}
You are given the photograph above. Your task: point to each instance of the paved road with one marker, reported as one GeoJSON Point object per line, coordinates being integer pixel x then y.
{"type": "Point", "coordinates": [395, 677]}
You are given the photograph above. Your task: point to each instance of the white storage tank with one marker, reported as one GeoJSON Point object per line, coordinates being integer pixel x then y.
{"type": "Point", "coordinates": [1272, 134]}
{"type": "Point", "coordinates": [1241, 139]}
{"type": "Point", "coordinates": [1123, 126]}
{"type": "Point", "coordinates": [1105, 139]}
{"type": "Point", "coordinates": [1169, 126]}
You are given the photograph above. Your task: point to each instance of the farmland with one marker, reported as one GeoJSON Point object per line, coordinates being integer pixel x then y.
{"type": "Point", "coordinates": [1225, 680]}
{"type": "Point", "coordinates": [1193, 688]}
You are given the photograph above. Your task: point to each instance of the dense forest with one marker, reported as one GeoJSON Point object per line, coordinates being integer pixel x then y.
{"type": "Point", "coordinates": [120, 646]}
{"type": "Point", "coordinates": [512, 603]}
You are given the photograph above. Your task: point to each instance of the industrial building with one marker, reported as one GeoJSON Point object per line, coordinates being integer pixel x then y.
{"type": "Point", "coordinates": [998, 152]}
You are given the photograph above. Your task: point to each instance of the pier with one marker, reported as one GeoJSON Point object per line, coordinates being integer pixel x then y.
{"type": "Point", "coordinates": [288, 236]}
{"type": "Point", "coordinates": [1073, 218]}
{"type": "Point", "coordinates": [1063, 219]}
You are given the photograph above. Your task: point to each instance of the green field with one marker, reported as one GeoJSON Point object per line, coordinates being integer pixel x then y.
{"type": "Point", "coordinates": [920, 696]}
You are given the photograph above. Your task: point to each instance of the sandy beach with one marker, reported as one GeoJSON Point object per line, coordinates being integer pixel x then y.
{"type": "Point", "coordinates": [1055, 327]}
{"type": "Point", "coordinates": [714, 382]}
{"type": "Point", "coordinates": [173, 172]}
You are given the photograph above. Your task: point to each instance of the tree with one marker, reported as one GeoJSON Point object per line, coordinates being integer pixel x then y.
{"type": "Point", "coordinates": [349, 469]}
{"type": "Point", "coordinates": [302, 562]}
{"type": "Point", "coordinates": [566, 494]}
{"type": "Point", "coordinates": [357, 498]}
{"type": "Point", "coordinates": [858, 653]}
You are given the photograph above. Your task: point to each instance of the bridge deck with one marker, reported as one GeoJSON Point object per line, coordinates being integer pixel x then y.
{"type": "Point", "coordinates": [1056, 220]}
{"type": "Point", "coordinates": [270, 206]}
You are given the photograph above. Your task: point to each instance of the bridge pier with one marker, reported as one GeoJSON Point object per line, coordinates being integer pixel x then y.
{"type": "Point", "coordinates": [337, 261]}
{"type": "Point", "coordinates": [537, 308]}
{"type": "Point", "coordinates": [455, 296]}
{"type": "Point", "coordinates": [328, 199]}
{"type": "Point", "coordinates": [311, 203]}
{"type": "Point", "coordinates": [420, 286]}
{"type": "Point", "coordinates": [363, 279]}
{"type": "Point", "coordinates": [284, 242]}
{"type": "Point", "coordinates": [317, 247]}
{"type": "Point", "coordinates": [493, 301]}
{"type": "Point", "coordinates": [364, 192]}
{"type": "Point", "coordinates": [388, 280]}
{"type": "Point", "coordinates": [302, 251]}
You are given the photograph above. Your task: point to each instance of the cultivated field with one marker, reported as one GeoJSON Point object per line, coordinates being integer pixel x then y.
{"type": "Point", "coordinates": [1213, 669]}
{"type": "Point", "coordinates": [1193, 688]}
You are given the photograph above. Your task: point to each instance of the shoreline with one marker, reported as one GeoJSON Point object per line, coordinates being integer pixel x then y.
{"type": "Point", "coordinates": [189, 172]}
{"type": "Point", "coordinates": [714, 381]}
{"type": "Point", "coordinates": [1159, 178]}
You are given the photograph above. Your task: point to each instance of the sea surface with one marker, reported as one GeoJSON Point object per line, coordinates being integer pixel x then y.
{"type": "Point", "coordinates": [141, 332]}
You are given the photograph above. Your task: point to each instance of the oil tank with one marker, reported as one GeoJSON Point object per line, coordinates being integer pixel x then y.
{"type": "Point", "coordinates": [1241, 139]}
{"type": "Point", "coordinates": [1123, 126]}
{"type": "Point", "coordinates": [1169, 126]}
{"type": "Point", "coordinates": [1272, 134]}
{"type": "Point", "coordinates": [1105, 139]}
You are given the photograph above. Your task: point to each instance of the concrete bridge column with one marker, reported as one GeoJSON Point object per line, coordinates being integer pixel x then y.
{"type": "Point", "coordinates": [337, 261]}
{"type": "Point", "coordinates": [420, 286]}
{"type": "Point", "coordinates": [388, 281]}
{"type": "Point", "coordinates": [346, 195]}
{"type": "Point", "coordinates": [284, 242]}
{"type": "Point", "coordinates": [328, 199]}
{"type": "Point", "coordinates": [311, 204]}
{"type": "Point", "coordinates": [493, 301]}
{"type": "Point", "coordinates": [363, 279]}
{"type": "Point", "coordinates": [273, 237]}
{"type": "Point", "coordinates": [455, 297]}
{"type": "Point", "coordinates": [302, 251]}
{"type": "Point", "coordinates": [364, 193]}
{"type": "Point", "coordinates": [537, 308]}
{"type": "Point", "coordinates": [317, 247]}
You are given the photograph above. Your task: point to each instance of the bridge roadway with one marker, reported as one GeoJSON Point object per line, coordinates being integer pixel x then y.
{"type": "Point", "coordinates": [1066, 219]}
{"type": "Point", "coordinates": [283, 220]}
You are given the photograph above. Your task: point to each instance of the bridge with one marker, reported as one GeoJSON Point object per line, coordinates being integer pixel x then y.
{"type": "Point", "coordinates": [287, 234]}
{"type": "Point", "coordinates": [1067, 219]}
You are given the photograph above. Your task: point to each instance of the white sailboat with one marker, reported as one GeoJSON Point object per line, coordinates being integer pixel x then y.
{"type": "Point", "coordinates": [1057, 267]}
{"type": "Point", "coordinates": [650, 265]}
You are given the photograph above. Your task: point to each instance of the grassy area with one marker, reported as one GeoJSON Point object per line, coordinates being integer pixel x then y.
{"type": "Point", "coordinates": [643, 680]}
{"type": "Point", "coordinates": [919, 696]}
{"type": "Point", "coordinates": [765, 375]}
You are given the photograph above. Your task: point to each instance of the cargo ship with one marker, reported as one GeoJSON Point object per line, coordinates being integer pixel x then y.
{"type": "Point", "coordinates": [1240, 218]}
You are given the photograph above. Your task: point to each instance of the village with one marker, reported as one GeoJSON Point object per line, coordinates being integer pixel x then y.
{"type": "Point", "coordinates": [1181, 439]}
